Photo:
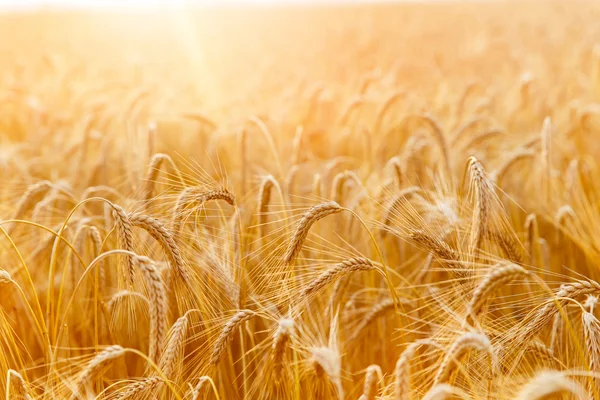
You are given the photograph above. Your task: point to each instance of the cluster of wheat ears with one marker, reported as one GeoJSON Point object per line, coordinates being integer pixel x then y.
{"type": "Point", "coordinates": [375, 228]}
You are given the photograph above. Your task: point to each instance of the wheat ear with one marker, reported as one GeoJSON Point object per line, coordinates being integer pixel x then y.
{"type": "Point", "coordinates": [395, 165]}
{"type": "Point", "coordinates": [443, 391]}
{"type": "Point", "coordinates": [283, 335]}
{"type": "Point", "coordinates": [317, 185]}
{"type": "Point", "coordinates": [153, 170]}
{"type": "Point", "coordinates": [482, 188]}
{"type": "Point", "coordinates": [16, 380]}
{"type": "Point", "coordinates": [125, 233]}
{"type": "Point", "coordinates": [337, 186]}
{"type": "Point", "coordinates": [547, 383]}
{"type": "Point", "coordinates": [264, 198]}
{"type": "Point", "coordinates": [327, 361]}
{"type": "Point", "coordinates": [28, 199]}
{"type": "Point", "coordinates": [313, 215]}
{"type": "Point", "coordinates": [370, 388]}
{"type": "Point", "coordinates": [498, 276]}
{"type": "Point", "coordinates": [402, 369]}
{"type": "Point", "coordinates": [508, 244]}
{"type": "Point", "coordinates": [195, 195]}
{"type": "Point", "coordinates": [96, 238]}
{"type": "Point", "coordinates": [157, 301]}
{"type": "Point", "coordinates": [548, 311]}
{"type": "Point", "coordinates": [517, 156]}
{"type": "Point", "coordinates": [403, 195]}
{"type": "Point", "coordinates": [137, 388]}
{"type": "Point", "coordinates": [591, 330]}
{"type": "Point", "coordinates": [5, 277]}
{"type": "Point", "coordinates": [459, 347]}
{"type": "Point", "coordinates": [101, 359]}
{"type": "Point", "coordinates": [158, 231]}
{"type": "Point", "coordinates": [439, 248]}
{"type": "Point", "coordinates": [337, 271]}
{"type": "Point", "coordinates": [227, 334]}
{"type": "Point", "coordinates": [174, 346]}
{"type": "Point", "coordinates": [377, 311]}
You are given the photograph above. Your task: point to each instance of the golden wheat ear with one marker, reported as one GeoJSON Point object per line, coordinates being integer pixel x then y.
{"type": "Point", "coordinates": [548, 383]}
{"type": "Point", "coordinates": [313, 215]}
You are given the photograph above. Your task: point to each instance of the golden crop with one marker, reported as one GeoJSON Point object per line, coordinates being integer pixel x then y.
{"type": "Point", "coordinates": [376, 202]}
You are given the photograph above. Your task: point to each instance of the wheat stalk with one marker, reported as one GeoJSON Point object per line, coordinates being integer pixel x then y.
{"type": "Point", "coordinates": [313, 215]}
{"type": "Point", "coordinates": [439, 248]}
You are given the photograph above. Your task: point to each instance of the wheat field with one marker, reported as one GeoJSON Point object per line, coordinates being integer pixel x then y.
{"type": "Point", "coordinates": [366, 202]}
